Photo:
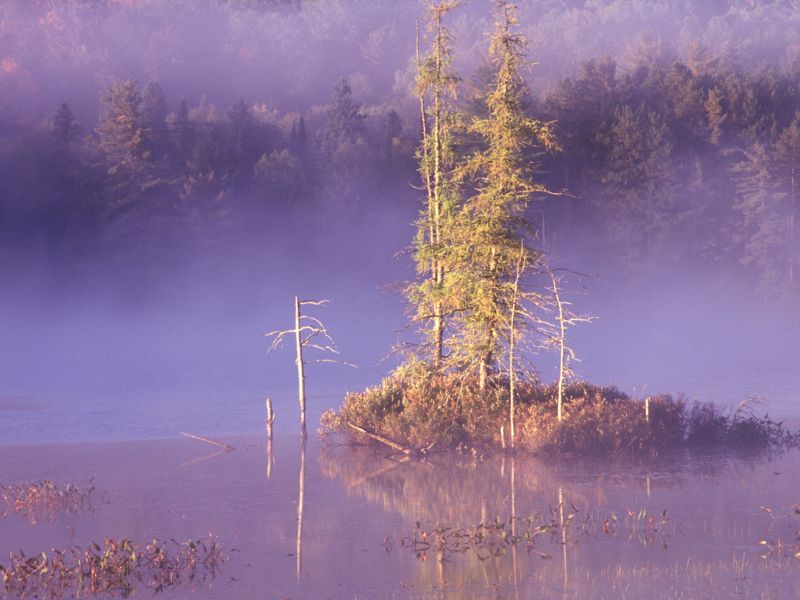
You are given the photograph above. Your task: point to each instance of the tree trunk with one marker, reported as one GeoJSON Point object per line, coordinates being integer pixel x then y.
{"type": "Point", "coordinates": [562, 347]}
{"type": "Point", "coordinates": [301, 379]}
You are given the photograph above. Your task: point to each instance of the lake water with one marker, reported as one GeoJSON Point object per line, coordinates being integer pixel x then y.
{"type": "Point", "coordinates": [331, 522]}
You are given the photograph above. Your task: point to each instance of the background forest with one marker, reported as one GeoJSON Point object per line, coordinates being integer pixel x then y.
{"type": "Point", "coordinates": [127, 126]}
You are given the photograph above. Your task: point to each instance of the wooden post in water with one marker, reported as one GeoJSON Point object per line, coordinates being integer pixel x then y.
{"type": "Point", "coordinates": [301, 378]}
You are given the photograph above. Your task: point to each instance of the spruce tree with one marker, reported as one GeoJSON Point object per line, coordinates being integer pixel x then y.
{"type": "Point", "coordinates": [492, 229]}
{"type": "Point", "coordinates": [183, 134]}
{"type": "Point", "coordinates": [64, 127]}
{"type": "Point", "coordinates": [787, 151]}
{"type": "Point", "coordinates": [122, 138]}
{"type": "Point", "coordinates": [763, 228]}
{"type": "Point", "coordinates": [344, 121]}
{"type": "Point", "coordinates": [432, 295]}
{"type": "Point", "coordinates": [242, 135]}
{"type": "Point", "coordinates": [154, 120]}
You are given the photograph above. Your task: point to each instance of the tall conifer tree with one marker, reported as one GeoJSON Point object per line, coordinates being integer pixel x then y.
{"type": "Point", "coordinates": [492, 228]}
{"type": "Point", "coordinates": [436, 86]}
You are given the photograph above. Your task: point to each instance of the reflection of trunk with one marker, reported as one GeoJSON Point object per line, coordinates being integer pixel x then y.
{"type": "Point", "coordinates": [514, 522]}
{"type": "Point", "coordinates": [563, 537]}
{"type": "Point", "coordinates": [301, 379]}
{"type": "Point", "coordinates": [301, 485]}
{"type": "Point", "coordinates": [270, 421]}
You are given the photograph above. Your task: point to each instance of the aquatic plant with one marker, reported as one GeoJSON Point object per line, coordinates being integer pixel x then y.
{"type": "Point", "coordinates": [779, 549]}
{"type": "Point", "coordinates": [494, 538]}
{"type": "Point", "coordinates": [115, 567]}
{"type": "Point", "coordinates": [43, 500]}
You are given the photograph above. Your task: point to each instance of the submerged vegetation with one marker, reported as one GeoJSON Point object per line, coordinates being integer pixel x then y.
{"type": "Point", "coordinates": [116, 567]}
{"type": "Point", "coordinates": [494, 538]}
{"type": "Point", "coordinates": [43, 500]}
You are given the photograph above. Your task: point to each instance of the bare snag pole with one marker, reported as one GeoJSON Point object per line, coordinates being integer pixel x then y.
{"type": "Point", "coordinates": [301, 377]}
{"type": "Point", "coordinates": [306, 330]}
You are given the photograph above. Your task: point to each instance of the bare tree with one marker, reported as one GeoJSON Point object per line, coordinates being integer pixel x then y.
{"type": "Point", "coordinates": [309, 332]}
{"type": "Point", "coordinates": [556, 333]}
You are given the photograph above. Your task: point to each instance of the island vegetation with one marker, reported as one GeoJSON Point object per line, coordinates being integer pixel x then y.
{"type": "Point", "coordinates": [479, 300]}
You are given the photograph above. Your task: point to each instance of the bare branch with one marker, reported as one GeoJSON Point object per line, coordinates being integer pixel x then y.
{"type": "Point", "coordinates": [333, 361]}
{"type": "Point", "coordinates": [324, 348]}
{"type": "Point", "coordinates": [314, 302]}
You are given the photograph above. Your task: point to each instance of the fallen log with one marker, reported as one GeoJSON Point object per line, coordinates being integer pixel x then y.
{"type": "Point", "coordinates": [207, 440]}
{"type": "Point", "coordinates": [384, 440]}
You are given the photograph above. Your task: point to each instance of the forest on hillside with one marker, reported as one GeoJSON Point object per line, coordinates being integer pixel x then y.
{"type": "Point", "coordinates": [676, 124]}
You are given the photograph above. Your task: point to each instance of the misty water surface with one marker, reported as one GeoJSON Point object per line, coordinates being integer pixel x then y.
{"type": "Point", "coordinates": [710, 512]}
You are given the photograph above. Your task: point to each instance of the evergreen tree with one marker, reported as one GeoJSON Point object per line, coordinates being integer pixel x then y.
{"type": "Point", "coordinates": [492, 245]}
{"type": "Point", "coordinates": [64, 127]}
{"type": "Point", "coordinates": [122, 138]}
{"type": "Point", "coordinates": [182, 133]}
{"type": "Point", "coordinates": [299, 139]}
{"type": "Point", "coordinates": [344, 121]}
{"type": "Point", "coordinates": [787, 155]}
{"type": "Point", "coordinates": [763, 227]}
{"type": "Point", "coordinates": [640, 195]}
{"type": "Point", "coordinates": [154, 120]}
{"type": "Point", "coordinates": [391, 135]}
{"type": "Point", "coordinates": [433, 296]}
{"type": "Point", "coordinates": [242, 134]}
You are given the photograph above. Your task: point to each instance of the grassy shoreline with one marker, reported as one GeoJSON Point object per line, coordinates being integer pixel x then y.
{"type": "Point", "coordinates": [419, 410]}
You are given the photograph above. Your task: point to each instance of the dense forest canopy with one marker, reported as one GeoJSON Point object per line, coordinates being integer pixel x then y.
{"type": "Point", "coordinates": [125, 123]}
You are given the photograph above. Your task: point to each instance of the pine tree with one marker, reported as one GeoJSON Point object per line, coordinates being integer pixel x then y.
{"type": "Point", "coordinates": [432, 296]}
{"type": "Point", "coordinates": [391, 133]}
{"type": "Point", "coordinates": [763, 227]}
{"type": "Point", "coordinates": [491, 233]}
{"type": "Point", "coordinates": [154, 120]}
{"type": "Point", "coordinates": [787, 153]}
{"type": "Point", "coordinates": [122, 137]}
{"type": "Point", "coordinates": [183, 134]}
{"type": "Point", "coordinates": [344, 121]}
{"type": "Point", "coordinates": [242, 132]}
{"type": "Point", "coordinates": [638, 171]}
{"type": "Point", "coordinates": [64, 127]}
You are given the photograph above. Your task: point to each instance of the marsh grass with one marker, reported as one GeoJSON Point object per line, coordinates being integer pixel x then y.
{"type": "Point", "coordinates": [419, 409]}
{"type": "Point", "coordinates": [44, 500]}
{"type": "Point", "coordinates": [116, 567]}
{"type": "Point", "coordinates": [494, 538]}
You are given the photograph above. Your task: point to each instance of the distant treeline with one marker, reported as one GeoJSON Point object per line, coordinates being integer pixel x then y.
{"type": "Point", "coordinates": [688, 157]}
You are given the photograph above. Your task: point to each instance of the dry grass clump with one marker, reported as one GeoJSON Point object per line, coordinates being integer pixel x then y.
{"type": "Point", "coordinates": [419, 409]}
{"type": "Point", "coordinates": [116, 567]}
{"type": "Point", "coordinates": [596, 424]}
{"type": "Point", "coordinates": [708, 425]}
{"type": "Point", "coordinates": [43, 500]}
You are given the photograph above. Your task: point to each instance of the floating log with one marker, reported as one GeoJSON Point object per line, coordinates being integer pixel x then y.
{"type": "Point", "coordinates": [207, 440]}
